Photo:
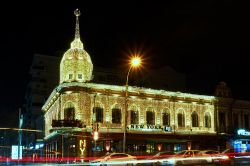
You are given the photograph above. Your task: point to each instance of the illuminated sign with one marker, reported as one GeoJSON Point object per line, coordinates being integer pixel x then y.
{"type": "Point", "coordinates": [143, 127]}
{"type": "Point", "coordinates": [14, 152]}
{"type": "Point", "coordinates": [167, 128]}
{"type": "Point", "coordinates": [82, 146]}
{"type": "Point", "coordinates": [243, 132]}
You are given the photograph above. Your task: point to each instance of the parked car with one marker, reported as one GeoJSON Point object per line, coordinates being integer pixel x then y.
{"type": "Point", "coordinates": [114, 159]}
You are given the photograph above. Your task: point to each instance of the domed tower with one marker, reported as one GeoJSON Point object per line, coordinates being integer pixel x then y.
{"type": "Point", "coordinates": [76, 64]}
{"type": "Point", "coordinates": [222, 90]}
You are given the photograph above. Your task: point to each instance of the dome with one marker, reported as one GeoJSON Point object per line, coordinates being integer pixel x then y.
{"type": "Point", "coordinates": [222, 90]}
{"type": "Point", "coordinates": [76, 64]}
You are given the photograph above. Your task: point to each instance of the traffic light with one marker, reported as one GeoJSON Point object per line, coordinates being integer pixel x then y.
{"type": "Point", "coordinates": [95, 128]}
{"type": "Point", "coordinates": [96, 135]}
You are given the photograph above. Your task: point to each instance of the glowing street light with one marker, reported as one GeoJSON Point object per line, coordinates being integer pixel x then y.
{"type": "Point", "coordinates": [134, 62]}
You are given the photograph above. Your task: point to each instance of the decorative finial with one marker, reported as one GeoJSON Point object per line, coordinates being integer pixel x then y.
{"type": "Point", "coordinates": [77, 32]}
{"type": "Point", "coordinates": [77, 42]}
{"type": "Point", "coordinates": [77, 12]}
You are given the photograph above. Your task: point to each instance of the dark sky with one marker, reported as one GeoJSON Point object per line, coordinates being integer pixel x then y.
{"type": "Point", "coordinates": [206, 40]}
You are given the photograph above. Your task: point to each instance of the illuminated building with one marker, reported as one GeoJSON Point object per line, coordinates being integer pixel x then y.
{"type": "Point", "coordinates": [157, 119]}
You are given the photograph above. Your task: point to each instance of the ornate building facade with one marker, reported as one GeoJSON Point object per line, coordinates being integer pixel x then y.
{"type": "Point", "coordinates": [156, 119]}
{"type": "Point", "coordinates": [233, 117]}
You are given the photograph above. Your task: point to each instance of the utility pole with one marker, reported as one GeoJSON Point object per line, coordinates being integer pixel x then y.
{"type": "Point", "coordinates": [19, 133]}
{"type": "Point", "coordinates": [62, 146]}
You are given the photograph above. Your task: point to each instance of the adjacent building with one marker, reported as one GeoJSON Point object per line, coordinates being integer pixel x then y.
{"type": "Point", "coordinates": [233, 120]}
{"type": "Point", "coordinates": [44, 75]}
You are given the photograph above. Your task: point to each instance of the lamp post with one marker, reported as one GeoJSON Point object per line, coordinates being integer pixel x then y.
{"type": "Point", "coordinates": [134, 62]}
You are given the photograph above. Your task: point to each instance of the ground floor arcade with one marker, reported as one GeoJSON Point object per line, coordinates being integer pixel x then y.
{"type": "Point", "coordinates": [82, 144]}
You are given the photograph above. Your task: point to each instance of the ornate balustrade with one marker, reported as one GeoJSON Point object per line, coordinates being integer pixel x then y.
{"type": "Point", "coordinates": [67, 123]}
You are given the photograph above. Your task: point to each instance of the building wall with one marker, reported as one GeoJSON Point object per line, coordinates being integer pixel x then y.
{"type": "Point", "coordinates": [84, 102]}
{"type": "Point", "coordinates": [52, 114]}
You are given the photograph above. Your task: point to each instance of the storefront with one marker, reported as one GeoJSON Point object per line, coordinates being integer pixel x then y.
{"type": "Point", "coordinates": [241, 142]}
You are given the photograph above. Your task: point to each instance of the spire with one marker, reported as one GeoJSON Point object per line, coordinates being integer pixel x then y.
{"type": "Point", "coordinates": [77, 32]}
{"type": "Point", "coordinates": [77, 41]}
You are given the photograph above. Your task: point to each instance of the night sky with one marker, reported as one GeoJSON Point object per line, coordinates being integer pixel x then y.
{"type": "Point", "coordinates": [206, 40]}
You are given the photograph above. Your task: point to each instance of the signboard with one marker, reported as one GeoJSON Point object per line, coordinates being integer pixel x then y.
{"type": "Point", "coordinates": [243, 132]}
{"type": "Point", "coordinates": [167, 129]}
{"type": "Point", "coordinates": [14, 152]}
{"type": "Point", "coordinates": [143, 127]}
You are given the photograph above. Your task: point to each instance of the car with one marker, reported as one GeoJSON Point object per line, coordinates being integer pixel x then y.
{"type": "Point", "coordinates": [114, 159]}
{"type": "Point", "coordinates": [156, 159]}
{"type": "Point", "coordinates": [235, 156]}
{"type": "Point", "coordinates": [162, 155]}
{"type": "Point", "coordinates": [231, 153]}
{"type": "Point", "coordinates": [214, 156]}
{"type": "Point", "coordinates": [185, 157]}
{"type": "Point", "coordinates": [209, 155]}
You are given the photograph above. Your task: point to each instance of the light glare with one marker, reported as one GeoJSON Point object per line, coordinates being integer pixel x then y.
{"type": "Point", "coordinates": [136, 61]}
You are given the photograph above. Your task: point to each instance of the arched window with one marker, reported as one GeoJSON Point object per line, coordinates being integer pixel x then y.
{"type": "Point", "coordinates": [181, 119]}
{"type": "Point", "coordinates": [134, 116]}
{"type": "Point", "coordinates": [165, 118]}
{"type": "Point", "coordinates": [69, 111]}
{"type": "Point", "coordinates": [98, 113]}
{"type": "Point", "coordinates": [116, 115]}
{"type": "Point", "coordinates": [207, 120]}
{"type": "Point", "coordinates": [195, 122]}
{"type": "Point", "coordinates": [150, 116]}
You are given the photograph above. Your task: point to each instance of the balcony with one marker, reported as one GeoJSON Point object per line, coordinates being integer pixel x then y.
{"type": "Point", "coordinates": [67, 123]}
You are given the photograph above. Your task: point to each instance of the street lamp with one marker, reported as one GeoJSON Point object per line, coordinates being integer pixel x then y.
{"type": "Point", "coordinates": [134, 62]}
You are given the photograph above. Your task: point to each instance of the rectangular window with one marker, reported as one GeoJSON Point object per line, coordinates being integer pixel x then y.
{"type": "Point", "coordinates": [134, 117]}
{"type": "Point", "coordinates": [79, 76]}
{"type": "Point", "coordinates": [70, 76]}
{"type": "Point", "coordinates": [116, 116]}
{"type": "Point", "coordinates": [99, 114]}
{"type": "Point", "coordinates": [165, 119]}
{"type": "Point", "coordinates": [181, 120]}
{"type": "Point", "coordinates": [150, 118]}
